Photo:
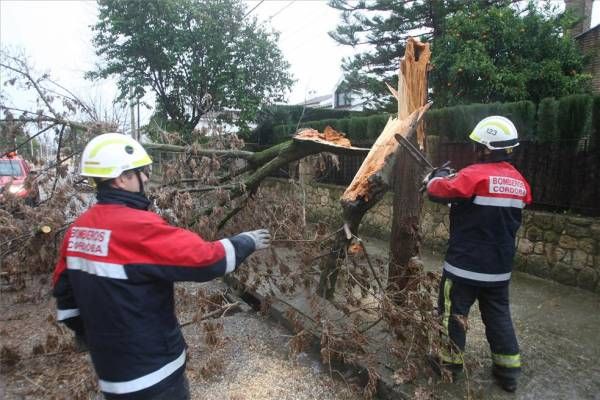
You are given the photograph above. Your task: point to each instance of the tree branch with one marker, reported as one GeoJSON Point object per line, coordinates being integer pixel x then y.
{"type": "Point", "coordinates": [33, 82]}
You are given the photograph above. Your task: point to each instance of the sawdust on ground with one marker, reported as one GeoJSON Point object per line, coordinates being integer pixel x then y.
{"type": "Point", "coordinates": [329, 135]}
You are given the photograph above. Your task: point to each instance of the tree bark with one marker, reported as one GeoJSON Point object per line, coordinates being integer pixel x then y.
{"type": "Point", "coordinates": [405, 241]}
{"type": "Point", "coordinates": [369, 185]}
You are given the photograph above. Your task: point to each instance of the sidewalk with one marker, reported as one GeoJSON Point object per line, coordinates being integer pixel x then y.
{"type": "Point", "coordinates": [559, 333]}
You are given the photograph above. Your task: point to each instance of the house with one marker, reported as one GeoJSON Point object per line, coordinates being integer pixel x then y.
{"type": "Point", "coordinates": [338, 99]}
{"type": "Point", "coordinates": [589, 43]}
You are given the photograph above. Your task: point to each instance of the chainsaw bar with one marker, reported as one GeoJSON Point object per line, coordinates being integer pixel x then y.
{"type": "Point", "coordinates": [413, 151]}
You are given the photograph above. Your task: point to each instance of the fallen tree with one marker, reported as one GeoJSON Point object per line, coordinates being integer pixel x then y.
{"type": "Point", "coordinates": [260, 165]}
{"type": "Point", "coordinates": [206, 188]}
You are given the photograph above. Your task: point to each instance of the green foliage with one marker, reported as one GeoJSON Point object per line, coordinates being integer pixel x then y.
{"type": "Point", "coordinates": [497, 53]}
{"type": "Point", "coordinates": [282, 133]}
{"type": "Point", "coordinates": [342, 125]}
{"type": "Point", "coordinates": [455, 123]}
{"type": "Point", "coordinates": [547, 128]}
{"type": "Point", "coordinates": [522, 114]}
{"type": "Point", "coordinates": [451, 123]}
{"type": "Point", "coordinates": [483, 51]}
{"type": "Point", "coordinates": [384, 25]}
{"type": "Point", "coordinates": [194, 55]}
{"type": "Point", "coordinates": [375, 125]}
{"type": "Point", "coordinates": [362, 130]}
{"type": "Point", "coordinates": [358, 129]}
{"type": "Point", "coordinates": [575, 118]}
{"type": "Point", "coordinates": [330, 122]}
{"type": "Point", "coordinates": [318, 125]}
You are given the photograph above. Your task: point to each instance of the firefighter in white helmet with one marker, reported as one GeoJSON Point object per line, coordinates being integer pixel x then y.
{"type": "Point", "coordinates": [486, 201]}
{"type": "Point", "coordinates": [114, 278]}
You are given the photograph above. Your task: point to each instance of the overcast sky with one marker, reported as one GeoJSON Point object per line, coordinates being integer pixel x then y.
{"type": "Point", "coordinates": [57, 38]}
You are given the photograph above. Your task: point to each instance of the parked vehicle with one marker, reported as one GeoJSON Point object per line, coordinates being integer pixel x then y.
{"type": "Point", "coordinates": [14, 170]}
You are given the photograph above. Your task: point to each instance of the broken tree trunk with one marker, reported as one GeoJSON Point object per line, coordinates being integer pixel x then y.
{"type": "Point", "coordinates": [405, 241]}
{"type": "Point", "coordinates": [369, 185]}
{"type": "Point", "coordinates": [376, 174]}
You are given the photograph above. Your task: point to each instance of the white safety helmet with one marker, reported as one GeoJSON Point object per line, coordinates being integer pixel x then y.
{"type": "Point", "coordinates": [495, 133]}
{"type": "Point", "coordinates": [108, 155]}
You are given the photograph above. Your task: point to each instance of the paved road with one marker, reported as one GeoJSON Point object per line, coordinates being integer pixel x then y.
{"type": "Point", "coordinates": [558, 328]}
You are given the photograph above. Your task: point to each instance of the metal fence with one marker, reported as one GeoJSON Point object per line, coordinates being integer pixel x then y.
{"type": "Point", "coordinates": [564, 176]}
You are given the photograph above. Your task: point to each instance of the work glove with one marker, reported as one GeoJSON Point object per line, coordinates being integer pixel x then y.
{"type": "Point", "coordinates": [440, 172]}
{"type": "Point", "coordinates": [261, 238]}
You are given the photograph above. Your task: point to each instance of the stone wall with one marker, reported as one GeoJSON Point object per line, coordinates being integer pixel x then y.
{"type": "Point", "coordinates": [560, 247]}
{"type": "Point", "coordinates": [322, 204]}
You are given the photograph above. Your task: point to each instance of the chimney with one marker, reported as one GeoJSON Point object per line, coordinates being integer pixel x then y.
{"type": "Point", "coordinates": [581, 9]}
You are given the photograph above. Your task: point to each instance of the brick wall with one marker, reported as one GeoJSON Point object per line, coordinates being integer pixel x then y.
{"type": "Point", "coordinates": [589, 42]}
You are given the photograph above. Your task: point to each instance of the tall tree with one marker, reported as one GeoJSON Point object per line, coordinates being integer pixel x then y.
{"type": "Point", "coordinates": [196, 56]}
{"type": "Point", "coordinates": [503, 42]}
{"type": "Point", "coordinates": [384, 26]}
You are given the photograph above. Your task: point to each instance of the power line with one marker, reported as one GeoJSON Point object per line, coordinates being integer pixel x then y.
{"type": "Point", "coordinates": [253, 8]}
{"type": "Point", "coordinates": [281, 9]}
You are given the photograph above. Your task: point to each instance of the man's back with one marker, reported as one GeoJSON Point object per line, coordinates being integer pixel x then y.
{"type": "Point", "coordinates": [119, 264]}
{"type": "Point", "coordinates": [487, 200]}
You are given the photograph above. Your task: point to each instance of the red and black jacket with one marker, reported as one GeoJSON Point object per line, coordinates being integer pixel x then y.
{"type": "Point", "coordinates": [114, 285]}
{"type": "Point", "coordinates": [486, 204]}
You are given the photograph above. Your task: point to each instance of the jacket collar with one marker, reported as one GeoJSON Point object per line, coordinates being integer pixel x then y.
{"type": "Point", "coordinates": [111, 195]}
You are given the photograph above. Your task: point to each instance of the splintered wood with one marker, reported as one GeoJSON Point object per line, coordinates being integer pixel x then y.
{"type": "Point", "coordinates": [374, 175]}
{"type": "Point", "coordinates": [412, 82]}
{"type": "Point", "coordinates": [411, 94]}
{"type": "Point", "coordinates": [329, 136]}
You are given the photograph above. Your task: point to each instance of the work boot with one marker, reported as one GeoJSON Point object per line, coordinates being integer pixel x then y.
{"type": "Point", "coordinates": [505, 377]}
{"type": "Point", "coordinates": [441, 368]}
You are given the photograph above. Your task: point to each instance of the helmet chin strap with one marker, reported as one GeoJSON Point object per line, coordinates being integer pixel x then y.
{"type": "Point", "coordinates": [141, 183]}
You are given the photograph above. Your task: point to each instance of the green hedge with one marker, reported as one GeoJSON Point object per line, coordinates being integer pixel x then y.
{"type": "Point", "coordinates": [566, 119]}
{"type": "Point", "coordinates": [574, 117]}
{"type": "Point", "coordinates": [547, 124]}
{"type": "Point", "coordinates": [375, 125]}
{"type": "Point", "coordinates": [271, 117]}
{"type": "Point", "coordinates": [357, 129]}
{"type": "Point", "coordinates": [455, 123]}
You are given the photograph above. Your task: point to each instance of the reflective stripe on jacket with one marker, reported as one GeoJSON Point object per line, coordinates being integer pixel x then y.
{"type": "Point", "coordinates": [114, 285]}
{"type": "Point", "coordinates": [486, 204]}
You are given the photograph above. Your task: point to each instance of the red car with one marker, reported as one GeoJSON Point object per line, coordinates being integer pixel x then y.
{"type": "Point", "coordinates": [13, 172]}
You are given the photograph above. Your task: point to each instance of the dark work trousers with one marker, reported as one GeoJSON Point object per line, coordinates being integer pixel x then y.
{"type": "Point", "coordinates": [179, 390]}
{"type": "Point", "coordinates": [454, 302]}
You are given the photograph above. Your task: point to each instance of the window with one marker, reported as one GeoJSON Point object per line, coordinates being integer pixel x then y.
{"type": "Point", "coordinates": [342, 99]}
{"type": "Point", "coordinates": [10, 168]}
